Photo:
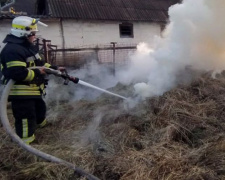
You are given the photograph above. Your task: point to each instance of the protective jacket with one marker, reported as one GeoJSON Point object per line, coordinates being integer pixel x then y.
{"type": "Point", "coordinates": [16, 57]}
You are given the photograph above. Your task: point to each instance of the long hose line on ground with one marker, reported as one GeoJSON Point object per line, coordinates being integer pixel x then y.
{"type": "Point", "coordinates": [17, 139]}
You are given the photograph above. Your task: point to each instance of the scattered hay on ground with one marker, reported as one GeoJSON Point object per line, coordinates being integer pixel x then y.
{"type": "Point", "coordinates": [178, 136]}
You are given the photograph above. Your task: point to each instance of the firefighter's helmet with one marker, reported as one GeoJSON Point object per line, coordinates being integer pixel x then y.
{"type": "Point", "coordinates": [22, 26]}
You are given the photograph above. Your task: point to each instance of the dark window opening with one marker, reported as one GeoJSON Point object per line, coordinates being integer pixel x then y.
{"type": "Point", "coordinates": [126, 30]}
{"type": "Point", "coordinates": [41, 7]}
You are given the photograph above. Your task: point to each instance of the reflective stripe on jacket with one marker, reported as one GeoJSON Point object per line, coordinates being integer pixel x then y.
{"type": "Point", "coordinates": [16, 57]}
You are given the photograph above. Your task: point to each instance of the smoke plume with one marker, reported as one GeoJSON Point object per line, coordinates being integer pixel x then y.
{"type": "Point", "coordinates": [194, 38]}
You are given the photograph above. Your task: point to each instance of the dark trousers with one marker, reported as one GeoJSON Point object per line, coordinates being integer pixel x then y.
{"type": "Point", "coordinates": [28, 113]}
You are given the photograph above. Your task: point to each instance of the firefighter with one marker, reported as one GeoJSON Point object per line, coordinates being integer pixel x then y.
{"type": "Point", "coordinates": [17, 57]}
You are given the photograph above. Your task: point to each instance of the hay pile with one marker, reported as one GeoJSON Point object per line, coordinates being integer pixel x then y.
{"type": "Point", "coordinates": [178, 136]}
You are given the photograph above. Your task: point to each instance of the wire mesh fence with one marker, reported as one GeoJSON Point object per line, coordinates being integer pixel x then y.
{"type": "Point", "coordinates": [76, 57]}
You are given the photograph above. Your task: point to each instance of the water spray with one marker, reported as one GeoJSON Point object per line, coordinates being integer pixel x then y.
{"type": "Point", "coordinates": [68, 78]}
{"type": "Point", "coordinates": [100, 89]}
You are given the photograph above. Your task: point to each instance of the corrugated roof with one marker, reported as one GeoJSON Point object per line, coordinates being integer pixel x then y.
{"type": "Point", "coordinates": [125, 10]}
{"type": "Point", "coordinates": [122, 10]}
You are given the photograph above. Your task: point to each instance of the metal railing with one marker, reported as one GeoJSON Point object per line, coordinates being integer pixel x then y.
{"type": "Point", "coordinates": [76, 57]}
{"type": "Point", "coordinates": [113, 53]}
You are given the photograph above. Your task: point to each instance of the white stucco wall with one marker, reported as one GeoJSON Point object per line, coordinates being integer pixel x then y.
{"type": "Point", "coordinates": [52, 32]}
{"type": "Point", "coordinates": [80, 33]}
{"type": "Point", "coordinates": [104, 32]}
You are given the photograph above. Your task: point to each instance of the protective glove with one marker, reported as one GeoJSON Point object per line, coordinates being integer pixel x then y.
{"type": "Point", "coordinates": [62, 69]}
{"type": "Point", "coordinates": [41, 79]}
{"type": "Point", "coordinates": [74, 79]}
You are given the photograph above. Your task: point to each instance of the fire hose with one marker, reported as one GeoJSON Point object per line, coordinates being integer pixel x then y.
{"type": "Point", "coordinates": [17, 139]}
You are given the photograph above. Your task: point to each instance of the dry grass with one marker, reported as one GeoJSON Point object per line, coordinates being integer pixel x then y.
{"type": "Point", "coordinates": [178, 136]}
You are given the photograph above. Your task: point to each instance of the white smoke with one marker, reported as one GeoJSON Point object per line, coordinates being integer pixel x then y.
{"type": "Point", "coordinates": [194, 37]}
{"type": "Point", "coordinates": [92, 134]}
{"type": "Point", "coordinates": [93, 73]}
